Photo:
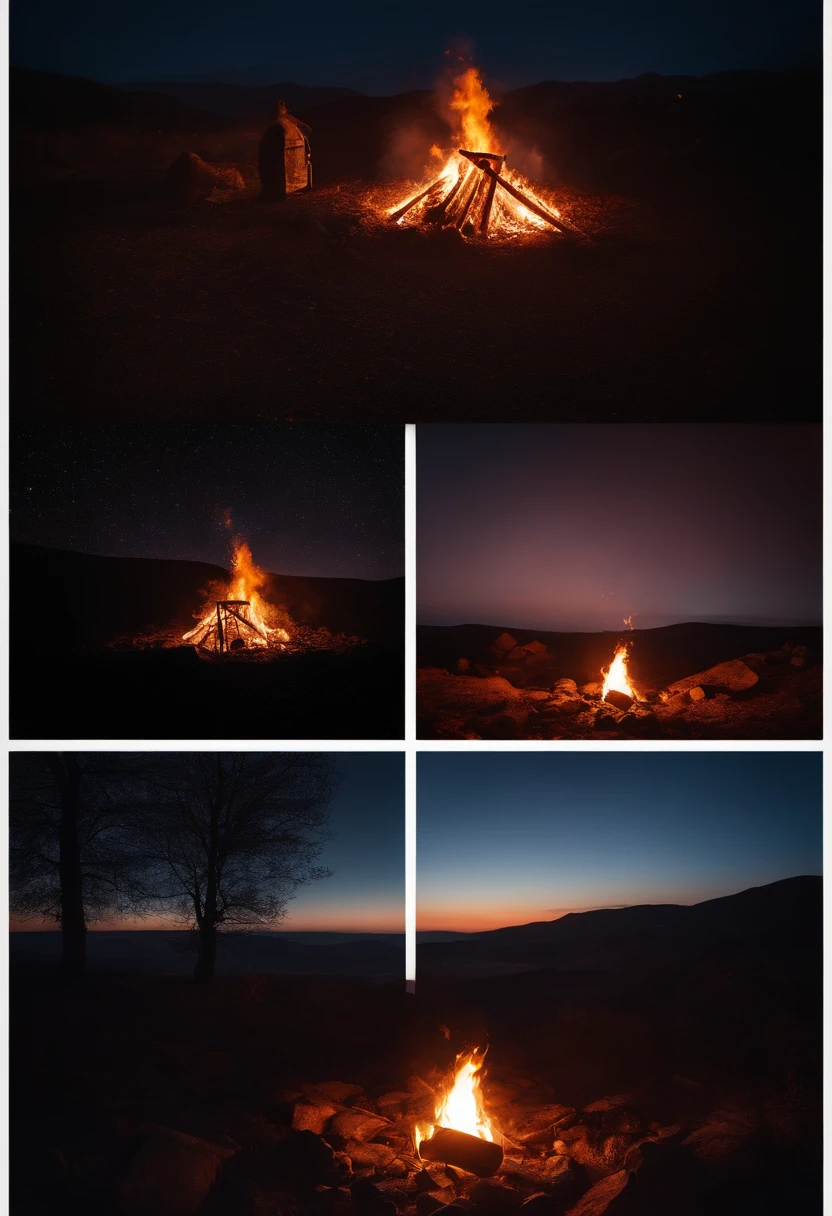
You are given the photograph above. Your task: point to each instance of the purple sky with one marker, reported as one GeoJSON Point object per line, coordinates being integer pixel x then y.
{"type": "Point", "coordinates": [575, 527]}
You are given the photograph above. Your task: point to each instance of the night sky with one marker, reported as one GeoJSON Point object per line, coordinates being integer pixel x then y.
{"type": "Point", "coordinates": [310, 500]}
{"type": "Point", "coordinates": [511, 838]}
{"type": "Point", "coordinates": [576, 528]}
{"type": "Point", "coordinates": [381, 48]}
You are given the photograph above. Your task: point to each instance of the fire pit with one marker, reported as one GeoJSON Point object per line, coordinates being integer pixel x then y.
{"type": "Point", "coordinates": [462, 1135]}
{"type": "Point", "coordinates": [474, 191]}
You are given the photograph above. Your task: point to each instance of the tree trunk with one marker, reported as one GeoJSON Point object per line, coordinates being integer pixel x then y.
{"type": "Point", "coordinates": [67, 774]}
{"type": "Point", "coordinates": [206, 956]}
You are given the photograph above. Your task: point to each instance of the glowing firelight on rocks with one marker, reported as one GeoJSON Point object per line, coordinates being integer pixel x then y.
{"type": "Point", "coordinates": [462, 194]}
{"type": "Point", "coordinates": [460, 1107]}
{"type": "Point", "coordinates": [617, 679]}
{"type": "Point", "coordinates": [238, 609]}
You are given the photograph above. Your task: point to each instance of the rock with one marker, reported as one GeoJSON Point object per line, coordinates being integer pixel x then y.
{"type": "Point", "coordinates": [756, 662]}
{"type": "Point", "coordinates": [597, 1200]}
{"type": "Point", "coordinates": [517, 654]}
{"type": "Point", "coordinates": [397, 1169]}
{"type": "Point", "coordinates": [722, 1133]}
{"type": "Point", "coordinates": [605, 721]}
{"type": "Point", "coordinates": [800, 656]}
{"type": "Point", "coordinates": [697, 693]}
{"type": "Point", "coordinates": [538, 694]}
{"type": "Point", "coordinates": [493, 1196]}
{"type": "Point", "coordinates": [535, 647]}
{"type": "Point", "coordinates": [621, 700]}
{"type": "Point", "coordinates": [363, 1155]}
{"type": "Point", "coordinates": [496, 707]}
{"type": "Point", "coordinates": [170, 1175]}
{"type": "Point", "coordinates": [544, 1171]}
{"type": "Point", "coordinates": [462, 666]}
{"type": "Point", "coordinates": [426, 1204]}
{"type": "Point", "coordinates": [601, 1154]}
{"type": "Point", "coordinates": [394, 1103]}
{"type": "Point", "coordinates": [734, 677]}
{"type": "Point", "coordinates": [334, 1091]}
{"type": "Point", "coordinates": [540, 1129]}
{"type": "Point", "coordinates": [191, 178]}
{"type": "Point", "coordinates": [426, 1181]}
{"type": "Point", "coordinates": [358, 1125]}
{"type": "Point", "coordinates": [313, 1116]}
{"type": "Point", "coordinates": [593, 689]}
{"type": "Point", "coordinates": [504, 643]}
{"type": "Point", "coordinates": [563, 707]}
{"type": "Point", "coordinates": [566, 687]}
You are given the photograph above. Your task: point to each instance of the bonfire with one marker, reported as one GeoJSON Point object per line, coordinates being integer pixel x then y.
{"type": "Point", "coordinates": [236, 617]}
{"type": "Point", "coordinates": [472, 188]}
{"type": "Point", "coordinates": [462, 1133]}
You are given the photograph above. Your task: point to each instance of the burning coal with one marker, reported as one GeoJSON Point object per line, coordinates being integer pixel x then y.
{"type": "Point", "coordinates": [237, 617]}
{"type": "Point", "coordinates": [474, 190]}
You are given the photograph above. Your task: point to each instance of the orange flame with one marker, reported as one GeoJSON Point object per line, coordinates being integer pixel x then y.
{"type": "Point", "coordinates": [461, 1106]}
{"type": "Point", "coordinates": [471, 107]}
{"type": "Point", "coordinates": [245, 584]}
{"type": "Point", "coordinates": [617, 679]}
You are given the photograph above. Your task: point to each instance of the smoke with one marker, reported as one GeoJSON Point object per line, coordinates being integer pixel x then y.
{"type": "Point", "coordinates": [412, 151]}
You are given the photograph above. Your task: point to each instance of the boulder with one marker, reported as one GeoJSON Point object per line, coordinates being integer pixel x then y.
{"type": "Point", "coordinates": [598, 1199]}
{"type": "Point", "coordinates": [364, 1155]}
{"type": "Point", "coordinates": [535, 647]}
{"type": "Point", "coordinates": [800, 656]}
{"type": "Point", "coordinates": [556, 1170]}
{"type": "Point", "coordinates": [462, 666]}
{"type": "Point", "coordinates": [170, 1175]}
{"type": "Point", "coordinates": [593, 689]}
{"type": "Point", "coordinates": [394, 1103]}
{"type": "Point", "coordinates": [734, 677]}
{"type": "Point", "coordinates": [358, 1125]}
{"type": "Point", "coordinates": [517, 654]}
{"type": "Point", "coordinates": [191, 178]}
{"type": "Point", "coordinates": [504, 643]}
{"type": "Point", "coordinates": [313, 1116]}
{"type": "Point", "coordinates": [698, 693]}
{"type": "Point", "coordinates": [605, 721]}
{"type": "Point", "coordinates": [566, 687]}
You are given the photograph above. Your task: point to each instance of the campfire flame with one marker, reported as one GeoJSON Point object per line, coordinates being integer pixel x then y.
{"type": "Point", "coordinates": [249, 615]}
{"type": "Point", "coordinates": [456, 192]}
{"type": "Point", "coordinates": [617, 679]}
{"type": "Point", "coordinates": [460, 1107]}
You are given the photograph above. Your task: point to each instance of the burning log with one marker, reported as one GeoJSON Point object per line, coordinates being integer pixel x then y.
{"type": "Point", "coordinates": [397, 215]}
{"type": "Point", "coordinates": [621, 700]}
{"type": "Point", "coordinates": [482, 164]}
{"type": "Point", "coordinates": [450, 1147]}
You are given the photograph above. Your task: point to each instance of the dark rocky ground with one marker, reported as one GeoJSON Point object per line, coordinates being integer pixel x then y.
{"type": "Point", "coordinates": [92, 655]}
{"type": "Point", "coordinates": [691, 681]}
{"type": "Point", "coordinates": [695, 298]}
{"type": "Point", "coordinates": [674, 1070]}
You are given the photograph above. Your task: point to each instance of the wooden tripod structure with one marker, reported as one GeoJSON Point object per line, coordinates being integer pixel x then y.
{"type": "Point", "coordinates": [232, 624]}
{"type": "Point", "coordinates": [472, 195]}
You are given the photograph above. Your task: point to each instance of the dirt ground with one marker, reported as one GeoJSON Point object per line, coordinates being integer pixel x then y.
{"type": "Point", "coordinates": [699, 307]}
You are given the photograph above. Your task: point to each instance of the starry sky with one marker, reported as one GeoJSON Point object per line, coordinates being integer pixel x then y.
{"type": "Point", "coordinates": [575, 528]}
{"type": "Point", "coordinates": [509, 838]}
{"type": "Point", "coordinates": [365, 893]}
{"type": "Point", "coordinates": [310, 500]}
{"type": "Point", "coordinates": [382, 48]}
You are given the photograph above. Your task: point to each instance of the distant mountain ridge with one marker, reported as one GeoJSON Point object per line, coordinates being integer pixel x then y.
{"type": "Point", "coordinates": [643, 936]}
{"type": "Point", "coordinates": [237, 102]}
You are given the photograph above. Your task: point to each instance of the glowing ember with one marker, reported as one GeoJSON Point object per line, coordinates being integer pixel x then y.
{"type": "Point", "coordinates": [474, 189]}
{"type": "Point", "coordinates": [616, 679]}
{"type": "Point", "coordinates": [461, 1106]}
{"type": "Point", "coordinates": [237, 616]}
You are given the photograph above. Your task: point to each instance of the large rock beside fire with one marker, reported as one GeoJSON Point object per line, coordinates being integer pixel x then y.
{"type": "Point", "coordinates": [734, 677]}
{"type": "Point", "coordinates": [358, 1125]}
{"type": "Point", "coordinates": [599, 1198]}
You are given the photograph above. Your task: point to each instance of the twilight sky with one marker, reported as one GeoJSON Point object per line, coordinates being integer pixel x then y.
{"type": "Point", "coordinates": [365, 893]}
{"type": "Point", "coordinates": [310, 500]}
{"type": "Point", "coordinates": [383, 48]}
{"type": "Point", "coordinates": [576, 527]}
{"type": "Point", "coordinates": [508, 838]}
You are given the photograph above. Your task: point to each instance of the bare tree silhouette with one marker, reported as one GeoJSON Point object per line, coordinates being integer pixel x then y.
{"type": "Point", "coordinates": [225, 839]}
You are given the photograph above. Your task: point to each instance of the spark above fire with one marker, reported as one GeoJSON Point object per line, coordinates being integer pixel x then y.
{"type": "Point", "coordinates": [474, 190]}
{"type": "Point", "coordinates": [236, 616]}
